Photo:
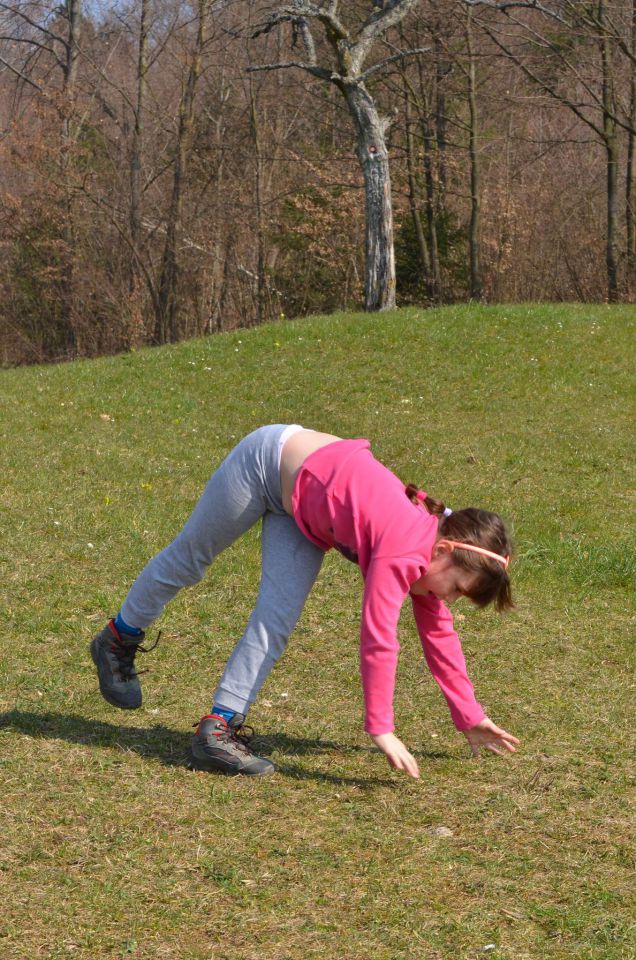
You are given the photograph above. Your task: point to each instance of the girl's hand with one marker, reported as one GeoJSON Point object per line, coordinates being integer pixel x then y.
{"type": "Point", "coordinates": [488, 736]}
{"type": "Point", "coordinates": [396, 753]}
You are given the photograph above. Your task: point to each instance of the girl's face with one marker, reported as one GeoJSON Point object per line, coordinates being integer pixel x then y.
{"type": "Point", "coordinates": [443, 578]}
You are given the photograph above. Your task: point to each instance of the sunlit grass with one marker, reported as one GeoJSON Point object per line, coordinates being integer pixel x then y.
{"type": "Point", "coordinates": [112, 848]}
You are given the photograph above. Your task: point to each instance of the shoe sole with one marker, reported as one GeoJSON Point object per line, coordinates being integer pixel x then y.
{"type": "Point", "coordinates": [109, 697]}
{"type": "Point", "coordinates": [208, 766]}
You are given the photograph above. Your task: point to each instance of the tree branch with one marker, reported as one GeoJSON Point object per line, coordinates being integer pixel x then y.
{"type": "Point", "coordinates": [319, 72]}
{"type": "Point", "coordinates": [36, 43]}
{"type": "Point", "coordinates": [397, 56]}
{"type": "Point", "coordinates": [506, 5]}
{"type": "Point", "coordinates": [21, 76]}
{"type": "Point", "coordinates": [10, 8]}
{"type": "Point", "coordinates": [378, 23]}
{"type": "Point", "coordinates": [545, 86]}
{"type": "Point", "coordinates": [583, 12]}
{"type": "Point", "coordinates": [300, 10]}
{"type": "Point", "coordinates": [326, 15]}
{"type": "Point", "coordinates": [307, 37]}
{"type": "Point", "coordinates": [572, 104]}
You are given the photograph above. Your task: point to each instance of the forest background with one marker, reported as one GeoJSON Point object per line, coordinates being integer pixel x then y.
{"type": "Point", "coordinates": [167, 170]}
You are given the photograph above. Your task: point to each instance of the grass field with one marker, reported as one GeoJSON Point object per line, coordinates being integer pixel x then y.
{"type": "Point", "coordinates": [112, 848]}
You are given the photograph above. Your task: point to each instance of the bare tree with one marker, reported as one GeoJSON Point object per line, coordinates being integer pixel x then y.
{"type": "Point", "coordinates": [350, 51]}
{"type": "Point", "coordinates": [137, 147]}
{"type": "Point", "coordinates": [595, 103]}
{"type": "Point", "coordinates": [49, 40]}
{"type": "Point", "coordinates": [413, 192]}
{"type": "Point", "coordinates": [166, 319]}
{"type": "Point", "coordinates": [473, 235]}
{"type": "Point", "coordinates": [630, 178]}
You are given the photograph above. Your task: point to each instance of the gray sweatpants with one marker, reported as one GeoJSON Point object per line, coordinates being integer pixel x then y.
{"type": "Point", "coordinates": [245, 488]}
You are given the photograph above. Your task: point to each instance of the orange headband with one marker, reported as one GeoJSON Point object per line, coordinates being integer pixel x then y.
{"type": "Point", "coordinates": [504, 561]}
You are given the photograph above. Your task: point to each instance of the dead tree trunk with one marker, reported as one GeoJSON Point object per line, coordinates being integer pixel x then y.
{"type": "Point", "coordinates": [350, 54]}
{"type": "Point", "coordinates": [372, 153]}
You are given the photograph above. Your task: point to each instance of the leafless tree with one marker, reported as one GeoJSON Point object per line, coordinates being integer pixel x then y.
{"type": "Point", "coordinates": [630, 178]}
{"type": "Point", "coordinates": [600, 26]}
{"type": "Point", "coordinates": [350, 49]}
{"type": "Point", "coordinates": [166, 327]}
{"type": "Point", "coordinates": [137, 147]}
{"type": "Point", "coordinates": [47, 39]}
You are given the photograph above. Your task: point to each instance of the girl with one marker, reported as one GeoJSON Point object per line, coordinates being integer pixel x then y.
{"type": "Point", "coordinates": [315, 491]}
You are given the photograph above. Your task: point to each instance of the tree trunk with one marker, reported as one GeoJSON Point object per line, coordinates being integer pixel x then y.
{"type": "Point", "coordinates": [611, 151]}
{"type": "Point", "coordinates": [258, 200]}
{"type": "Point", "coordinates": [136, 157]}
{"type": "Point", "coordinates": [473, 236]}
{"type": "Point", "coordinates": [413, 199]}
{"type": "Point", "coordinates": [429, 180]}
{"type": "Point", "coordinates": [429, 144]}
{"type": "Point", "coordinates": [630, 179]}
{"type": "Point", "coordinates": [373, 156]}
{"type": "Point", "coordinates": [68, 274]}
{"type": "Point", "coordinates": [167, 311]}
{"type": "Point", "coordinates": [442, 67]}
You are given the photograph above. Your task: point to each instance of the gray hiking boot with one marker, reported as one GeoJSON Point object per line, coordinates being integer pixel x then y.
{"type": "Point", "coordinates": [114, 654]}
{"type": "Point", "coordinates": [219, 745]}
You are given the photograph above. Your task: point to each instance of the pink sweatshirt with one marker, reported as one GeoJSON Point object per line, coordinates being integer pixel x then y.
{"type": "Point", "coordinates": [345, 498]}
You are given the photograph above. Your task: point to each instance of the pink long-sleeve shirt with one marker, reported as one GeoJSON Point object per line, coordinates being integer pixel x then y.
{"type": "Point", "coordinates": [345, 498]}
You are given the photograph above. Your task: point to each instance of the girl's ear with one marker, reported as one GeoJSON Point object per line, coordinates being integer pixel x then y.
{"type": "Point", "coordinates": [441, 548]}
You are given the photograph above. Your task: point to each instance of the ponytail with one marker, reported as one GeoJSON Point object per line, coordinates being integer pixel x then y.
{"type": "Point", "coordinates": [419, 497]}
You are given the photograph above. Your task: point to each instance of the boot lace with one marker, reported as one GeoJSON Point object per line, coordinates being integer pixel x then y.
{"type": "Point", "coordinates": [240, 736]}
{"type": "Point", "coordinates": [126, 651]}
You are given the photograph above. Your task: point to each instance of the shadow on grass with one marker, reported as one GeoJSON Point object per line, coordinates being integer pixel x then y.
{"type": "Point", "coordinates": [171, 747]}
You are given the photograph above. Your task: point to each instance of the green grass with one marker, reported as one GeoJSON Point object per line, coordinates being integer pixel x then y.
{"type": "Point", "coordinates": [112, 848]}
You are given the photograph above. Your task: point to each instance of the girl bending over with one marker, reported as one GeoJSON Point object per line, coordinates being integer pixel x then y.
{"type": "Point", "coordinates": [313, 491]}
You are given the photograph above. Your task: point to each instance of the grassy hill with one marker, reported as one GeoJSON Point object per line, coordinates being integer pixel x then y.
{"type": "Point", "coordinates": [111, 847]}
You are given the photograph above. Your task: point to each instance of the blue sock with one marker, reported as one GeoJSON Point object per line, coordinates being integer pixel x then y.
{"type": "Point", "coordinates": [223, 712]}
{"type": "Point", "coordinates": [122, 627]}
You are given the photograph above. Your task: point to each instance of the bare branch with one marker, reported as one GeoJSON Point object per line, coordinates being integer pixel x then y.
{"type": "Point", "coordinates": [301, 11]}
{"type": "Point", "coordinates": [319, 72]}
{"type": "Point", "coordinates": [11, 8]}
{"type": "Point", "coordinates": [21, 76]}
{"type": "Point", "coordinates": [596, 103]}
{"type": "Point", "coordinates": [36, 43]}
{"type": "Point", "coordinates": [378, 23]}
{"type": "Point", "coordinates": [398, 56]}
{"type": "Point", "coordinates": [583, 13]}
{"type": "Point", "coordinates": [302, 28]}
{"type": "Point", "coordinates": [506, 5]}
{"type": "Point", "coordinates": [386, 16]}
{"type": "Point", "coordinates": [308, 40]}
{"type": "Point", "coordinates": [327, 16]}
{"type": "Point", "coordinates": [545, 86]}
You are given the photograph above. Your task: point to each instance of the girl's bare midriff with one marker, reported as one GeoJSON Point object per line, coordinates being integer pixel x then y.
{"type": "Point", "coordinates": [295, 451]}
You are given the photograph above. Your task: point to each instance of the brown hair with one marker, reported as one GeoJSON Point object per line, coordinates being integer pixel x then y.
{"type": "Point", "coordinates": [482, 529]}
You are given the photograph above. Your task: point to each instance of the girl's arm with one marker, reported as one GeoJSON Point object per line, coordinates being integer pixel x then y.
{"type": "Point", "coordinates": [445, 660]}
{"type": "Point", "coordinates": [386, 588]}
